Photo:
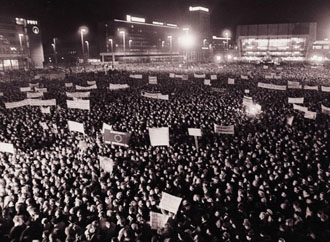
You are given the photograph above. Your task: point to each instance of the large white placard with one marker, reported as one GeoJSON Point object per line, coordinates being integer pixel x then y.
{"type": "Point", "coordinates": [170, 203]}
{"type": "Point", "coordinates": [76, 127]}
{"type": "Point", "coordinates": [159, 136]}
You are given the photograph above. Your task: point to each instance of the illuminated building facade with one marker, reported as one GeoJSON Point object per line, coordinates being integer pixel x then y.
{"type": "Point", "coordinates": [199, 26]}
{"type": "Point", "coordinates": [320, 51]}
{"type": "Point", "coordinates": [286, 41]}
{"type": "Point", "coordinates": [20, 44]}
{"type": "Point", "coordinates": [136, 40]}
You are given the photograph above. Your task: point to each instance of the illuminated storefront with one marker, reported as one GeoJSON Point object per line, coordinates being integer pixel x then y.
{"type": "Point", "coordinates": [276, 40]}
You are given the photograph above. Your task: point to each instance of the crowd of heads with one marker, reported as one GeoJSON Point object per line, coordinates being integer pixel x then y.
{"type": "Point", "coordinates": [267, 182]}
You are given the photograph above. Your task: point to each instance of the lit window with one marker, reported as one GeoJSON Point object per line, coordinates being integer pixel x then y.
{"type": "Point", "coordinates": [326, 47]}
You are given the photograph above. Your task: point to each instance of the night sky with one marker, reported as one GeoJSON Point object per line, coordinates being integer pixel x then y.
{"type": "Point", "coordinates": [62, 18]}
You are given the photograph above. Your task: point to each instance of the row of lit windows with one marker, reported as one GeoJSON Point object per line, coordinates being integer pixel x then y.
{"type": "Point", "coordinates": [320, 47]}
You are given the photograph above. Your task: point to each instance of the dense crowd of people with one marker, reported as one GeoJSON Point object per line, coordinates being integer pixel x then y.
{"type": "Point", "coordinates": [267, 182]}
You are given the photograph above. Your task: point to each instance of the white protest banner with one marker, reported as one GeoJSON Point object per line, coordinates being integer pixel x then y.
{"type": "Point", "coordinates": [194, 132]}
{"type": "Point", "coordinates": [34, 94]}
{"type": "Point", "coordinates": [78, 104]}
{"type": "Point", "coordinates": [91, 82]}
{"type": "Point", "coordinates": [243, 77]}
{"type": "Point", "coordinates": [279, 68]}
{"type": "Point", "coordinates": [18, 104]}
{"type": "Point", "coordinates": [214, 77]}
{"type": "Point", "coordinates": [172, 75]}
{"type": "Point", "coordinates": [325, 109]}
{"type": "Point", "coordinates": [265, 67]}
{"type": "Point", "coordinates": [44, 125]}
{"type": "Point", "coordinates": [106, 126]}
{"type": "Point", "coordinates": [86, 88]}
{"type": "Point", "coordinates": [231, 81]}
{"type": "Point", "coordinates": [38, 102]}
{"type": "Point", "coordinates": [118, 86]}
{"type": "Point", "coordinates": [325, 89]}
{"type": "Point", "coordinates": [199, 75]}
{"type": "Point", "coordinates": [45, 109]}
{"type": "Point", "coordinates": [106, 164]}
{"type": "Point", "coordinates": [221, 129]}
{"type": "Point", "coordinates": [155, 95]}
{"type": "Point", "coordinates": [33, 85]}
{"type": "Point", "coordinates": [179, 76]}
{"type": "Point", "coordinates": [300, 108]}
{"type": "Point", "coordinates": [39, 89]}
{"type": "Point", "coordinates": [268, 76]}
{"type": "Point", "coordinates": [136, 76]}
{"type": "Point", "coordinates": [306, 87]}
{"type": "Point", "coordinates": [77, 94]}
{"type": "Point", "coordinates": [159, 136]}
{"type": "Point", "coordinates": [69, 84]}
{"type": "Point", "coordinates": [290, 120]}
{"type": "Point", "coordinates": [25, 89]}
{"type": "Point", "coordinates": [170, 203]}
{"type": "Point", "coordinates": [247, 101]}
{"type": "Point", "coordinates": [185, 78]}
{"type": "Point", "coordinates": [6, 147]}
{"type": "Point", "coordinates": [75, 126]}
{"type": "Point", "coordinates": [220, 90]}
{"type": "Point", "coordinates": [294, 85]}
{"type": "Point", "coordinates": [158, 220]}
{"type": "Point", "coordinates": [310, 115]}
{"type": "Point", "coordinates": [271, 86]}
{"type": "Point", "coordinates": [152, 80]}
{"type": "Point", "coordinates": [207, 82]}
{"type": "Point", "coordinates": [299, 100]}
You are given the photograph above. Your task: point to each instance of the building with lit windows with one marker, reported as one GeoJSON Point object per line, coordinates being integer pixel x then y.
{"type": "Point", "coordinates": [20, 44]}
{"type": "Point", "coordinates": [320, 51]}
{"type": "Point", "coordinates": [136, 40]}
{"type": "Point", "coordinates": [286, 41]}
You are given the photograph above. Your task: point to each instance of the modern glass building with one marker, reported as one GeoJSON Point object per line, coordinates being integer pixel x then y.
{"type": "Point", "coordinates": [291, 40]}
{"type": "Point", "coordinates": [20, 44]}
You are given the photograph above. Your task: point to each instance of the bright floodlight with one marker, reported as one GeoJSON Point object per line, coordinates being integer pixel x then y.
{"type": "Point", "coordinates": [218, 57]}
{"type": "Point", "coordinates": [253, 109]}
{"type": "Point", "coordinates": [187, 41]}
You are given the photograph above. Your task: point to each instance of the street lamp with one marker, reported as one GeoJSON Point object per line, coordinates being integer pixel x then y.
{"type": "Point", "coordinates": [124, 45]}
{"type": "Point", "coordinates": [170, 37]}
{"type": "Point", "coordinates": [82, 32]}
{"type": "Point", "coordinates": [130, 43]}
{"type": "Point", "coordinates": [87, 45]}
{"type": "Point", "coordinates": [226, 33]}
{"type": "Point", "coordinates": [20, 41]}
{"type": "Point", "coordinates": [113, 55]}
{"type": "Point", "coordinates": [54, 48]}
{"type": "Point", "coordinates": [163, 44]}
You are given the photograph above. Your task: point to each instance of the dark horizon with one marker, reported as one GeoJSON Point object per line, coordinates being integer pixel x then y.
{"type": "Point", "coordinates": [62, 18]}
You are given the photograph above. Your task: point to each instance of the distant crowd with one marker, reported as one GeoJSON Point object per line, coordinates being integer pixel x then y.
{"type": "Point", "coordinates": [267, 182]}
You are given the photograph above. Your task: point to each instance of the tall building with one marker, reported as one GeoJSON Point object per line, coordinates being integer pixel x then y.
{"type": "Point", "coordinates": [290, 40]}
{"type": "Point", "coordinates": [20, 44]}
{"type": "Point", "coordinates": [199, 26]}
{"type": "Point", "coordinates": [136, 40]}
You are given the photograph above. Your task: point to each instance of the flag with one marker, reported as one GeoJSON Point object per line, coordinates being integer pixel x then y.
{"type": "Point", "coordinates": [6, 147]}
{"type": "Point", "coordinates": [106, 126]}
{"type": "Point", "coordinates": [231, 81]}
{"type": "Point", "coordinates": [44, 125]}
{"type": "Point", "coordinates": [290, 120]}
{"type": "Point", "coordinates": [116, 138]}
{"type": "Point", "coordinates": [170, 203]}
{"type": "Point", "coordinates": [221, 129]}
{"type": "Point", "coordinates": [153, 80]}
{"type": "Point", "coordinates": [194, 132]}
{"type": "Point", "coordinates": [310, 115]}
{"type": "Point", "coordinates": [106, 164]}
{"type": "Point", "coordinates": [207, 82]}
{"type": "Point", "coordinates": [158, 220]}
{"type": "Point", "coordinates": [325, 109]}
{"type": "Point", "coordinates": [299, 100]}
{"type": "Point", "coordinates": [159, 136]}
{"type": "Point", "coordinates": [76, 127]}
